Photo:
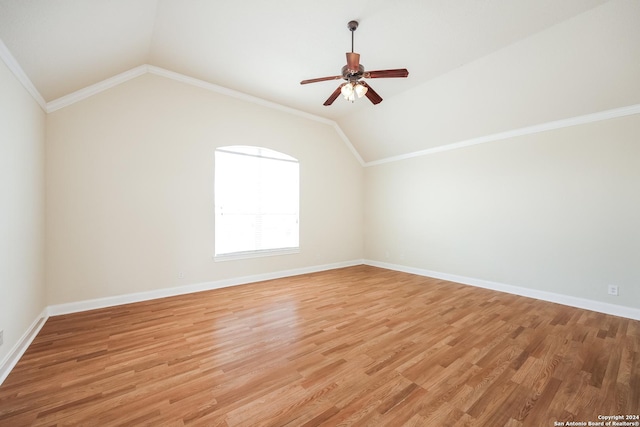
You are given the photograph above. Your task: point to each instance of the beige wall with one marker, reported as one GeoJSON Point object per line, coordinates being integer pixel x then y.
{"type": "Point", "coordinates": [556, 211]}
{"type": "Point", "coordinates": [129, 180]}
{"type": "Point", "coordinates": [22, 295]}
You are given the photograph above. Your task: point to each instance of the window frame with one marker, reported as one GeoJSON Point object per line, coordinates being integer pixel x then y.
{"type": "Point", "coordinates": [243, 150]}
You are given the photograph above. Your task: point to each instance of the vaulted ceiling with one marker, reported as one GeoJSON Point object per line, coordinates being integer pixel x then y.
{"type": "Point", "coordinates": [476, 67]}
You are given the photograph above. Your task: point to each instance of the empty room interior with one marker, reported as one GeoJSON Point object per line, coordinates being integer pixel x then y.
{"type": "Point", "coordinates": [307, 213]}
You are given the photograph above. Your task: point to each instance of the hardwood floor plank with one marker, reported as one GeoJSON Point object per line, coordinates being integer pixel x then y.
{"type": "Point", "coordinates": [353, 346]}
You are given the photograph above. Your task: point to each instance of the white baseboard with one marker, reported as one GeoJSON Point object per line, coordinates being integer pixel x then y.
{"type": "Point", "coordinates": [75, 307]}
{"type": "Point", "coordinates": [14, 355]}
{"type": "Point", "coordinates": [601, 307]}
{"type": "Point", "coordinates": [21, 346]}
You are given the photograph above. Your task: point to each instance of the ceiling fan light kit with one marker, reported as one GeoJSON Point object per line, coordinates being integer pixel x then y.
{"type": "Point", "coordinates": [350, 90]}
{"type": "Point", "coordinates": [353, 72]}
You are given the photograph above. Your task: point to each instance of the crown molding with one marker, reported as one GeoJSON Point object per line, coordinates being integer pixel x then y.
{"type": "Point", "coordinates": [89, 91]}
{"type": "Point", "coordinates": [543, 127]}
{"type": "Point", "coordinates": [124, 77]}
{"type": "Point", "coordinates": [17, 71]}
{"type": "Point", "coordinates": [233, 93]}
{"type": "Point", "coordinates": [254, 100]}
{"type": "Point", "coordinates": [118, 79]}
{"type": "Point", "coordinates": [347, 142]}
{"type": "Point", "coordinates": [94, 89]}
{"type": "Point", "coordinates": [109, 83]}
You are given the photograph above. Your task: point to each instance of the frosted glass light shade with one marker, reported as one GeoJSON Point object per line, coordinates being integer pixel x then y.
{"type": "Point", "coordinates": [347, 90]}
{"type": "Point", "coordinates": [361, 90]}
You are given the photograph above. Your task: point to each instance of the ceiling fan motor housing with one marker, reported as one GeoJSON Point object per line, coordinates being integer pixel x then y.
{"type": "Point", "coordinates": [349, 75]}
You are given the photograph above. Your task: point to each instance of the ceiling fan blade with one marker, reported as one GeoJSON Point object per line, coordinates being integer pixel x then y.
{"type": "Point", "coordinates": [371, 94]}
{"type": "Point", "coordinates": [333, 96]}
{"type": "Point", "coordinates": [353, 61]}
{"type": "Point", "coordinates": [381, 74]}
{"type": "Point", "coordinates": [320, 79]}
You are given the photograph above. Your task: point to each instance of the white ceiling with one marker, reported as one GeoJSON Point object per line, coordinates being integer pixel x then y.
{"type": "Point", "coordinates": [265, 48]}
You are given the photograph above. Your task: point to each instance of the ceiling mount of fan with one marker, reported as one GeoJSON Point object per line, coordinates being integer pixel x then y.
{"type": "Point", "coordinates": [353, 72]}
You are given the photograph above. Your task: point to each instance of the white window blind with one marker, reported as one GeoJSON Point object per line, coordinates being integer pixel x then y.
{"type": "Point", "coordinates": [256, 202]}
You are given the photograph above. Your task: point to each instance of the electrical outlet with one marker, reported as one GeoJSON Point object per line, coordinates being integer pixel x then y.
{"type": "Point", "coordinates": [1, 337]}
{"type": "Point", "coordinates": [181, 275]}
{"type": "Point", "coordinates": [612, 290]}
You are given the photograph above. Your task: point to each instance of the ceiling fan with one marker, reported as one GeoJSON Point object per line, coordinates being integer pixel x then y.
{"type": "Point", "coordinates": [353, 72]}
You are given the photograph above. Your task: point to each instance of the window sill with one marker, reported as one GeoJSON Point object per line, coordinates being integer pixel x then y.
{"type": "Point", "coordinates": [255, 254]}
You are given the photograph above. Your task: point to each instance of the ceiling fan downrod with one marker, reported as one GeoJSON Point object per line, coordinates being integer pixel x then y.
{"type": "Point", "coordinates": [353, 26]}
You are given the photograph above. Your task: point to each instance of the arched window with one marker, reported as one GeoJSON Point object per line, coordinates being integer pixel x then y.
{"type": "Point", "coordinates": [256, 202]}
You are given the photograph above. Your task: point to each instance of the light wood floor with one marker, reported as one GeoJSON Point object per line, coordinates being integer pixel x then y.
{"type": "Point", "coordinates": [355, 346]}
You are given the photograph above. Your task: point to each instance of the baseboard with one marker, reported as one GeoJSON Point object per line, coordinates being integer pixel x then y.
{"type": "Point", "coordinates": [75, 307]}
{"type": "Point", "coordinates": [601, 307]}
{"type": "Point", "coordinates": [27, 338]}
{"type": "Point", "coordinates": [21, 346]}
{"type": "Point", "coordinates": [14, 355]}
